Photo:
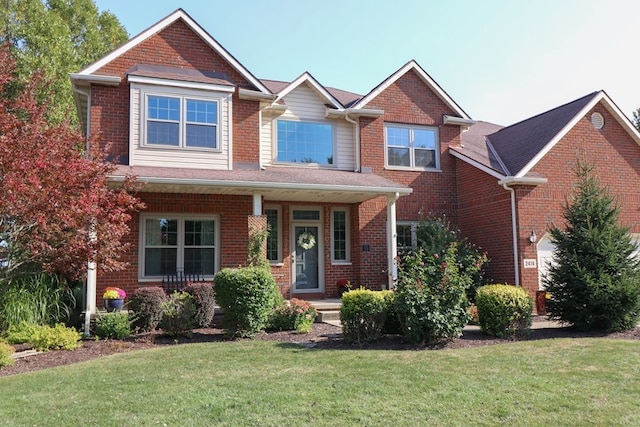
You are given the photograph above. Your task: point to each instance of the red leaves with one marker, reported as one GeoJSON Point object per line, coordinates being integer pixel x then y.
{"type": "Point", "coordinates": [51, 192]}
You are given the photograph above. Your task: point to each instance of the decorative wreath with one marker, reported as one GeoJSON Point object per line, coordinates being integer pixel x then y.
{"type": "Point", "coordinates": [306, 240]}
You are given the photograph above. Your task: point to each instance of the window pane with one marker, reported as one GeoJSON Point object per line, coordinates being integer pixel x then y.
{"type": "Point", "coordinates": [340, 235]}
{"type": "Point", "coordinates": [272, 238]}
{"type": "Point", "coordinates": [163, 133]}
{"type": "Point", "coordinates": [160, 261]}
{"type": "Point", "coordinates": [303, 142]}
{"type": "Point", "coordinates": [404, 236]}
{"type": "Point", "coordinates": [161, 232]}
{"type": "Point", "coordinates": [425, 158]}
{"type": "Point", "coordinates": [199, 260]}
{"type": "Point", "coordinates": [399, 156]}
{"type": "Point", "coordinates": [397, 137]}
{"type": "Point", "coordinates": [163, 108]}
{"type": "Point", "coordinates": [424, 138]}
{"type": "Point", "coordinates": [202, 111]}
{"type": "Point", "coordinates": [199, 233]}
{"type": "Point", "coordinates": [201, 136]}
{"type": "Point", "coordinates": [310, 215]}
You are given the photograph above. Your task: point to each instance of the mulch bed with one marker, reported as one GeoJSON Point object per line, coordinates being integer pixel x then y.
{"type": "Point", "coordinates": [323, 336]}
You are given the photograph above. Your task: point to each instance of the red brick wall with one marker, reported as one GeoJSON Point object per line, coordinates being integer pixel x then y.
{"type": "Point", "coordinates": [175, 46]}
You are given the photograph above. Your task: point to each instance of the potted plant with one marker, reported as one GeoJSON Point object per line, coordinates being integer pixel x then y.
{"type": "Point", "coordinates": [113, 299]}
{"type": "Point", "coordinates": [344, 285]}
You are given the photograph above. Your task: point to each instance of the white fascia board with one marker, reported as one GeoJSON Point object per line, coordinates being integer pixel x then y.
{"type": "Point", "coordinates": [622, 119]}
{"type": "Point", "coordinates": [412, 65]}
{"type": "Point", "coordinates": [161, 25]}
{"type": "Point", "coordinates": [357, 112]}
{"type": "Point", "coordinates": [253, 95]}
{"type": "Point", "coordinates": [476, 164]}
{"type": "Point", "coordinates": [95, 78]}
{"type": "Point", "coordinates": [403, 191]}
{"type": "Point", "coordinates": [527, 180]}
{"type": "Point", "coordinates": [181, 83]}
{"type": "Point", "coordinates": [527, 168]}
{"type": "Point", "coordinates": [308, 78]}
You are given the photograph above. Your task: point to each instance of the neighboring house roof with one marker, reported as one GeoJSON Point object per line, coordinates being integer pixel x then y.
{"type": "Point", "coordinates": [181, 74]}
{"type": "Point", "coordinates": [412, 66]}
{"type": "Point", "coordinates": [514, 150]}
{"type": "Point", "coordinates": [275, 183]}
{"type": "Point", "coordinates": [161, 25]}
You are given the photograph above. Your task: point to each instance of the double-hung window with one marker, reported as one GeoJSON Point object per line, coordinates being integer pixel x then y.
{"type": "Point", "coordinates": [181, 122]}
{"type": "Point", "coordinates": [407, 237]}
{"type": "Point", "coordinates": [304, 142]}
{"type": "Point", "coordinates": [174, 243]}
{"type": "Point", "coordinates": [412, 147]}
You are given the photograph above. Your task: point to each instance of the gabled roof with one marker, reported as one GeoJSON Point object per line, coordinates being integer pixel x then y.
{"type": "Point", "coordinates": [307, 78]}
{"type": "Point", "coordinates": [161, 25]}
{"type": "Point", "coordinates": [516, 149]}
{"type": "Point", "coordinates": [412, 66]}
{"type": "Point", "coordinates": [344, 97]}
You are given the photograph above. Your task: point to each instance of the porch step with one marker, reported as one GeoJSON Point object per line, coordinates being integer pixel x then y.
{"type": "Point", "coordinates": [328, 315]}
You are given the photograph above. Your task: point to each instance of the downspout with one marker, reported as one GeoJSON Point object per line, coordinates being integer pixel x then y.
{"type": "Point", "coordinates": [356, 145]}
{"type": "Point", "coordinates": [514, 232]}
{"type": "Point", "coordinates": [91, 282]}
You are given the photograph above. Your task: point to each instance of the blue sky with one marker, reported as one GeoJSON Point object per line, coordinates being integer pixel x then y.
{"type": "Point", "coordinates": [501, 60]}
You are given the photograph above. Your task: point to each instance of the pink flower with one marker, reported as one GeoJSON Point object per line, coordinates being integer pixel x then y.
{"type": "Point", "coordinates": [444, 265]}
{"type": "Point", "coordinates": [436, 256]}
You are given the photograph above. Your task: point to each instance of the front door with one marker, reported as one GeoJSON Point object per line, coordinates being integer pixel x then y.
{"type": "Point", "coordinates": [306, 270]}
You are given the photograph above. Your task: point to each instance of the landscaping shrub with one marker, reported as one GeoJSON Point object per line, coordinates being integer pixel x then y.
{"type": "Point", "coordinates": [504, 310]}
{"type": "Point", "coordinates": [363, 314]}
{"type": "Point", "coordinates": [113, 325]}
{"type": "Point", "coordinates": [295, 314]}
{"type": "Point", "coordinates": [38, 299]}
{"type": "Point", "coordinates": [146, 304]}
{"type": "Point", "coordinates": [178, 314]}
{"type": "Point", "coordinates": [44, 337]}
{"type": "Point", "coordinates": [430, 297]}
{"type": "Point", "coordinates": [391, 323]}
{"type": "Point", "coordinates": [247, 296]}
{"type": "Point", "coordinates": [205, 304]}
{"type": "Point", "coordinates": [5, 355]}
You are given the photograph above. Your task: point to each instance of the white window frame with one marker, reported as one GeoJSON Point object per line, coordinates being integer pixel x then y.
{"type": "Point", "coordinates": [414, 233]}
{"type": "Point", "coordinates": [334, 146]}
{"type": "Point", "coordinates": [411, 148]}
{"type": "Point", "coordinates": [181, 218]}
{"type": "Point", "coordinates": [183, 94]}
{"type": "Point", "coordinates": [347, 219]}
{"type": "Point", "coordinates": [278, 236]}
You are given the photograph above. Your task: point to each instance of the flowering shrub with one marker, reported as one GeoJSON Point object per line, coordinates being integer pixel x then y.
{"type": "Point", "coordinates": [295, 314]}
{"type": "Point", "coordinates": [114, 293]}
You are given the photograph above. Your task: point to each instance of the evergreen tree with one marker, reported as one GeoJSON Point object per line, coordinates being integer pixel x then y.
{"type": "Point", "coordinates": [594, 282]}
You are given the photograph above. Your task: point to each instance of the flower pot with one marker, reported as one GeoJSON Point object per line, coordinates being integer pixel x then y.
{"type": "Point", "coordinates": [113, 305]}
{"type": "Point", "coordinates": [541, 302]}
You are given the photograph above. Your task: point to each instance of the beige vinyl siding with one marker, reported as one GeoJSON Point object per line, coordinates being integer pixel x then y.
{"type": "Point", "coordinates": [195, 158]}
{"type": "Point", "coordinates": [305, 104]}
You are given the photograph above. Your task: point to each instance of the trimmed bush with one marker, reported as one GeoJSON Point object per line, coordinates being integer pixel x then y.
{"type": "Point", "coordinates": [113, 325]}
{"type": "Point", "coordinates": [178, 314]}
{"type": "Point", "coordinates": [205, 304]}
{"type": "Point", "coordinates": [247, 296]}
{"type": "Point", "coordinates": [363, 314]}
{"type": "Point", "coordinates": [146, 304]}
{"type": "Point", "coordinates": [391, 323]}
{"type": "Point", "coordinates": [5, 354]}
{"type": "Point", "coordinates": [45, 338]}
{"type": "Point", "coordinates": [504, 310]}
{"type": "Point", "coordinates": [295, 314]}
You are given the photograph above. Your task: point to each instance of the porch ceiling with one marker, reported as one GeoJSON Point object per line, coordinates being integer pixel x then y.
{"type": "Point", "coordinates": [274, 184]}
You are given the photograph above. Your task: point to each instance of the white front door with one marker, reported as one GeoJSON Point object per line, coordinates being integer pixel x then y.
{"type": "Point", "coordinates": [545, 258]}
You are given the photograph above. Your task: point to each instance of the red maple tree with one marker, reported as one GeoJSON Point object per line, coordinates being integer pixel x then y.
{"type": "Point", "coordinates": [57, 209]}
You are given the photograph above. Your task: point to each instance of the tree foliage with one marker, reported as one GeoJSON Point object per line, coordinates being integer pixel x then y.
{"type": "Point", "coordinates": [636, 118]}
{"type": "Point", "coordinates": [594, 281]}
{"type": "Point", "coordinates": [57, 37]}
{"type": "Point", "coordinates": [53, 197]}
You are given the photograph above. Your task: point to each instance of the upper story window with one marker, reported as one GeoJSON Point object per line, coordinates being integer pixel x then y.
{"type": "Point", "coordinates": [304, 142]}
{"type": "Point", "coordinates": [181, 122]}
{"type": "Point", "coordinates": [412, 147]}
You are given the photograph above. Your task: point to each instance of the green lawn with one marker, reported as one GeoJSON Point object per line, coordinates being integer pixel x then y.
{"type": "Point", "coordinates": [549, 382]}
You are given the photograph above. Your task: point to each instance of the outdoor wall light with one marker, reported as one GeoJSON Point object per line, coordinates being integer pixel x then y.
{"type": "Point", "coordinates": [533, 237]}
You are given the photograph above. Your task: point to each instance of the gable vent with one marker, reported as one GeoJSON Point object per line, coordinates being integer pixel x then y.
{"type": "Point", "coordinates": [597, 120]}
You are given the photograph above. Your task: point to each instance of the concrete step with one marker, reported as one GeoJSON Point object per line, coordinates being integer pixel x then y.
{"type": "Point", "coordinates": [328, 315]}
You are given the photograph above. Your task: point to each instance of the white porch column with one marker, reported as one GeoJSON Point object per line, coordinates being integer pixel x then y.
{"type": "Point", "coordinates": [392, 240]}
{"type": "Point", "coordinates": [90, 291]}
{"type": "Point", "coordinates": [257, 204]}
